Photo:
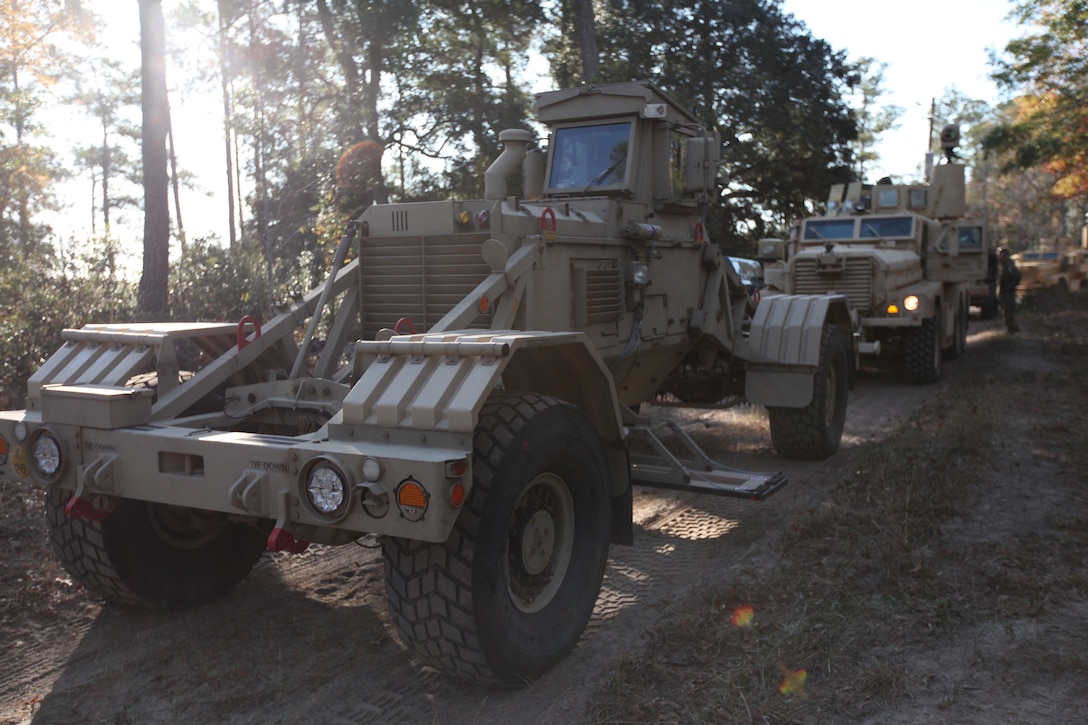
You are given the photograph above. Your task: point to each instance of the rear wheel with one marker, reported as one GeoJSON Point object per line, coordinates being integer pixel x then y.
{"type": "Point", "coordinates": [154, 555]}
{"type": "Point", "coordinates": [509, 593]}
{"type": "Point", "coordinates": [814, 432]}
{"type": "Point", "coordinates": [924, 351]}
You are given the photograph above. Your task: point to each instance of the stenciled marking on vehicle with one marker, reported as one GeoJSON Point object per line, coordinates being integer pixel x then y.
{"type": "Point", "coordinates": [18, 462]}
{"type": "Point", "coordinates": [270, 466]}
{"type": "Point", "coordinates": [94, 446]}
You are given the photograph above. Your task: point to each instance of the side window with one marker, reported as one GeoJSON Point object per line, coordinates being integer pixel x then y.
{"type": "Point", "coordinates": [887, 198]}
{"type": "Point", "coordinates": [970, 239]}
{"type": "Point", "coordinates": [677, 165]}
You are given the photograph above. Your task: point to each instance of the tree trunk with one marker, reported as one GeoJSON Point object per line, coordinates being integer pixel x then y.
{"type": "Point", "coordinates": [585, 31]}
{"type": "Point", "coordinates": [227, 123]}
{"type": "Point", "coordinates": [154, 282]}
{"type": "Point", "coordinates": [175, 185]}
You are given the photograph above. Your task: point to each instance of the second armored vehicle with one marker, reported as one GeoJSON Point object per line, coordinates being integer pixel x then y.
{"type": "Point", "coordinates": [907, 258]}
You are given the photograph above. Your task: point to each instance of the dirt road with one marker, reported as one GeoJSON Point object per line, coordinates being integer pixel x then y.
{"type": "Point", "coordinates": [307, 638]}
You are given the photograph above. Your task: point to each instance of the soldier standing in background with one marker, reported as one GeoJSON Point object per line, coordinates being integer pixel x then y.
{"type": "Point", "coordinates": [1008, 278]}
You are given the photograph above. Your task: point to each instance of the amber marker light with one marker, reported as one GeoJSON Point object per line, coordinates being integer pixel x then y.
{"type": "Point", "coordinates": [893, 309]}
{"type": "Point", "coordinates": [412, 499]}
{"type": "Point", "coordinates": [411, 494]}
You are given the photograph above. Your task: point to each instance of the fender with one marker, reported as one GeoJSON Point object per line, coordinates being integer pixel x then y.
{"type": "Point", "coordinates": [783, 347]}
{"type": "Point", "coordinates": [439, 382]}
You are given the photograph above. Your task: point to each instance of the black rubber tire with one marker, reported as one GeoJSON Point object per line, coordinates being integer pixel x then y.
{"type": "Point", "coordinates": [815, 431]}
{"type": "Point", "coordinates": [924, 351]}
{"type": "Point", "coordinates": [959, 336]}
{"type": "Point", "coordinates": [153, 555]}
{"type": "Point", "coordinates": [454, 603]}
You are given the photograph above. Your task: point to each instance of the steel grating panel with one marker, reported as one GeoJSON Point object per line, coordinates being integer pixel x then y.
{"type": "Point", "coordinates": [855, 282]}
{"type": "Point", "coordinates": [419, 278]}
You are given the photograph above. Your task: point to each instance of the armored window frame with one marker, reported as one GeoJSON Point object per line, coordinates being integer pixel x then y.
{"type": "Point", "coordinates": [576, 142]}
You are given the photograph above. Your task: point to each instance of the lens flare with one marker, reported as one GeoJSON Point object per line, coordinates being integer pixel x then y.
{"type": "Point", "coordinates": [793, 682]}
{"type": "Point", "coordinates": [743, 616]}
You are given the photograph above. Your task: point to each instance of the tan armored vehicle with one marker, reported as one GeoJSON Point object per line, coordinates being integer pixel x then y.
{"type": "Point", "coordinates": [906, 258]}
{"type": "Point", "coordinates": [1065, 269]}
{"type": "Point", "coordinates": [472, 404]}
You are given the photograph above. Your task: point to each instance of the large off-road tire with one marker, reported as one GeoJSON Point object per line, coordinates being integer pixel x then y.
{"type": "Point", "coordinates": [814, 432]}
{"type": "Point", "coordinates": [959, 336]}
{"type": "Point", "coordinates": [509, 593]}
{"type": "Point", "coordinates": [154, 555]}
{"type": "Point", "coordinates": [924, 351]}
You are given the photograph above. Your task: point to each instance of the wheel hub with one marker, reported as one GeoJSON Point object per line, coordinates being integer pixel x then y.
{"type": "Point", "coordinates": [540, 542]}
{"type": "Point", "coordinates": [537, 538]}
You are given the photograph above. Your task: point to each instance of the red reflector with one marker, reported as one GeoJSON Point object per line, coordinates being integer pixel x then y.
{"type": "Point", "coordinates": [457, 494]}
{"type": "Point", "coordinates": [484, 305]}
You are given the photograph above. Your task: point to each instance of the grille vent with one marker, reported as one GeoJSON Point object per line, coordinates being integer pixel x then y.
{"type": "Point", "coordinates": [855, 282]}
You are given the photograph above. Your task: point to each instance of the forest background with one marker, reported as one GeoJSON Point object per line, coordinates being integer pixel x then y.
{"type": "Point", "coordinates": [328, 106]}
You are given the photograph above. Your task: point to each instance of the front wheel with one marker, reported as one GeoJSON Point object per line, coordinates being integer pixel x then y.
{"type": "Point", "coordinates": [924, 351]}
{"type": "Point", "coordinates": [154, 555]}
{"type": "Point", "coordinates": [959, 335]}
{"type": "Point", "coordinates": [509, 593]}
{"type": "Point", "coordinates": [814, 432]}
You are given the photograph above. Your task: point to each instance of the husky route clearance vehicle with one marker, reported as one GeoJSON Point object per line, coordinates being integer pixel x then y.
{"type": "Point", "coordinates": [483, 425]}
{"type": "Point", "coordinates": [906, 257]}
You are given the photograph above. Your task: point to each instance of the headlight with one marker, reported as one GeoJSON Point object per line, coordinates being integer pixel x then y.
{"type": "Point", "coordinates": [911, 303]}
{"type": "Point", "coordinates": [327, 490]}
{"type": "Point", "coordinates": [46, 458]}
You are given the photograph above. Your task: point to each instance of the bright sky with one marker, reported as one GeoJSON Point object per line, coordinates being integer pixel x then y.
{"type": "Point", "coordinates": [929, 46]}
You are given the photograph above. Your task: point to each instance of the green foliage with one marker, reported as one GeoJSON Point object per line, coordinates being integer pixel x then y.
{"type": "Point", "coordinates": [1049, 70]}
{"type": "Point", "coordinates": [211, 283]}
{"type": "Point", "coordinates": [43, 295]}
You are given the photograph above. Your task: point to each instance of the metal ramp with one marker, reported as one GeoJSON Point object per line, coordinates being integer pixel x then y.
{"type": "Point", "coordinates": [110, 355]}
{"type": "Point", "coordinates": [691, 469]}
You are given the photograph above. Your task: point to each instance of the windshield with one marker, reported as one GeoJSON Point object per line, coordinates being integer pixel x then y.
{"type": "Point", "coordinates": [590, 156]}
{"type": "Point", "coordinates": [887, 227]}
{"type": "Point", "coordinates": [829, 229]}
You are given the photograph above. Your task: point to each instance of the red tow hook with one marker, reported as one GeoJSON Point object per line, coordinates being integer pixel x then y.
{"type": "Point", "coordinates": [280, 540]}
{"type": "Point", "coordinates": [80, 508]}
{"type": "Point", "coordinates": [243, 338]}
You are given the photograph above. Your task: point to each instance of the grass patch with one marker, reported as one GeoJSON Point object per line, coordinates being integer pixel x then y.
{"type": "Point", "coordinates": [872, 573]}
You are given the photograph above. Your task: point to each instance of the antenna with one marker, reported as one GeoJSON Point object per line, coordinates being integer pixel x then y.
{"type": "Point", "coordinates": [929, 146]}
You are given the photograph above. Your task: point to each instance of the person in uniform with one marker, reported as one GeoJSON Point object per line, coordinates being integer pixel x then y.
{"type": "Point", "coordinates": [1008, 277]}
